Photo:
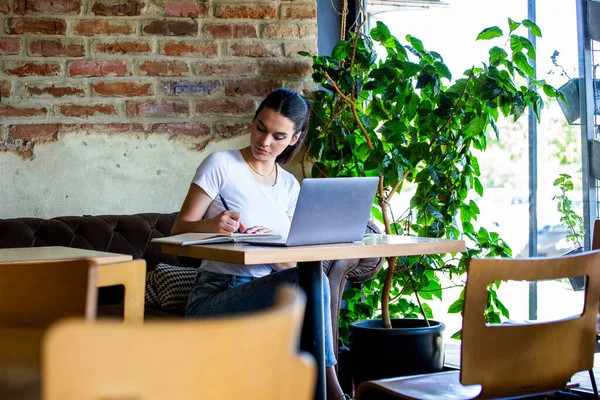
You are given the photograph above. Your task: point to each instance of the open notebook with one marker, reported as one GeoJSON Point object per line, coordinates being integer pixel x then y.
{"type": "Point", "coordinates": [187, 239]}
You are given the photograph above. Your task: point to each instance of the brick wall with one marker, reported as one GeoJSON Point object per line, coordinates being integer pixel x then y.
{"type": "Point", "coordinates": [191, 70]}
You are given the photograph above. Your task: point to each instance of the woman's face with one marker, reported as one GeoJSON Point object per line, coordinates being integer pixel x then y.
{"type": "Point", "coordinates": [271, 134]}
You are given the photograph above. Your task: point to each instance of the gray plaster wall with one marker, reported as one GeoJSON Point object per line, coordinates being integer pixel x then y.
{"type": "Point", "coordinates": [101, 174]}
{"type": "Point", "coordinates": [94, 174]}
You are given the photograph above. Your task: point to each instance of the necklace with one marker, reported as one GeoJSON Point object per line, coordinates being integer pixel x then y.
{"type": "Point", "coordinates": [244, 156]}
{"type": "Point", "coordinates": [252, 168]}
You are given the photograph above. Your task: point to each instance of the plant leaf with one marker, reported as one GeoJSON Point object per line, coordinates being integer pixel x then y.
{"type": "Point", "coordinates": [513, 25]}
{"type": "Point", "coordinates": [521, 60]}
{"type": "Point", "coordinates": [339, 52]}
{"type": "Point", "coordinates": [533, 28]}
{"type": "Point", "coordinates": [490, 33]}
{"type": "Point", "coordinates": [497, 54]}
{"type": "Point", "coordinates": [427, 310]}
{"type": "Point", "coordinates": [456, 307]}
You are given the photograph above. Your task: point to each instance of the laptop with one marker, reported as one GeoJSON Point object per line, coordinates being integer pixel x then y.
{"type": "Point", "coordinates": [330, 210]}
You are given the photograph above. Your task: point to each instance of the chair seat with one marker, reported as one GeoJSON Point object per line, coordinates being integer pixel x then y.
{"type": "Point", "coordinates": [442, 385]}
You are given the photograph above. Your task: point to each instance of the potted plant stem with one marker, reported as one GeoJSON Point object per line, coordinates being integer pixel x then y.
{"type": "Point", "coordinates": [403, 118]}
{"type": "Point", "coordinates": [572, 220]}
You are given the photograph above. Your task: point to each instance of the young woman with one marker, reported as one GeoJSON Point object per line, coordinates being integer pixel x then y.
{"type": "Point", "coordinates": [247, 190]}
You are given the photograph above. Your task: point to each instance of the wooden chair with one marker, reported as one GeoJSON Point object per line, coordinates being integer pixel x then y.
{"type": "Point", "coordinates": [36, 294]}
{"type": "Point", "coordinates": [244, 356]}
{"type": "Point", "coordinates": [33, 295]}
{"type": "Point", "coordinates": [510, 360]}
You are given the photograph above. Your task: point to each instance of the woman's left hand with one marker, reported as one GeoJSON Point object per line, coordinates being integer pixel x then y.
{"type": "Point", "coordinates": [257, 229]}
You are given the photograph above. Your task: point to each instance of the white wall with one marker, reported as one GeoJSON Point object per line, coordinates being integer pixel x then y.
{"type": "Point", "coordinates": [96, 174]}
{"type": "Point", "coordinates": [99, 174]}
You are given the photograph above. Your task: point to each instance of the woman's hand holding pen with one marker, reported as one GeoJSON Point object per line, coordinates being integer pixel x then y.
{"type": "Point", "coordinates": [227, 222]}
{"type": "Point", "coordinates": [226, 225]}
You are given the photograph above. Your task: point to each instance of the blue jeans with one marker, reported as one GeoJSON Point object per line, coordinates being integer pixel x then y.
{"type": "Point", "coordinates": [218, 294]}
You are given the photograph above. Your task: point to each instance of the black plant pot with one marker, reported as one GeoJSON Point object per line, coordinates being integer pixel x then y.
{"type": "Point", "coordinates": [409, 348]}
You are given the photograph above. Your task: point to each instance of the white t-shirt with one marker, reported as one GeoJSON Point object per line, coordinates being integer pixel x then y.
{"type": "Point", "coordinates": [225, 173]}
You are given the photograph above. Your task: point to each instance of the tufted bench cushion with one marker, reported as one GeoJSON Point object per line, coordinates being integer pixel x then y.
{"type": "Point", "coordinates": [125, 234]}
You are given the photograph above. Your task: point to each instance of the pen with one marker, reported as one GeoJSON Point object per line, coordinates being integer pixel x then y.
{"type": "Point", "coordinates": [228, 209]}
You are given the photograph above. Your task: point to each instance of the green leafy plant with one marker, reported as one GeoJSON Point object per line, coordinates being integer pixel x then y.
{"type": "Point", "coordinates": [401, 116]}
{"type": "Point", "coordinates": [568, 217]}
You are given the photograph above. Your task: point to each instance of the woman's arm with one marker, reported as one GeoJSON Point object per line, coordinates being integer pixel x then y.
{"type": "Point", "coordinates": [282, 266]}
{"type": "Point", "coordinates": [193, 209]}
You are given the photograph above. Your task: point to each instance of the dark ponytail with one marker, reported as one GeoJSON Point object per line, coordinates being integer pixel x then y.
{"type": "Point", "coordinates": [294, 107]}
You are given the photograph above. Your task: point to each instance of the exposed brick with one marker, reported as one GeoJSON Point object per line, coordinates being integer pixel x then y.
{"type": "Point", "coordinates": [25, 151]}
{"type": "Point", "coordinates": [225, 106]}
{"type": "Point", "coordinates": [5, 88]}
{"type": "Point", "coordinates": [20, 68]}
{"type": "Point", "coordinates": [56, 48]}
{"type": "Point", "coordinates": [230, 31]}
{"type": "Point", "coordinates": [306, 31]}
{"type": "Point", "coordinates": [228, 11]}
{"type": "Point", "coordinates": [104, 27]}
{"type": "Point", "coordinates": [97, 68]}
{"type": "Point", "coordinates": [47, 7]}
{"type": "Point", "coordinates": [255, 50]}
{"type": "Point", "coordinates": [188, 128]}
{"type": "Point", "coordinates": [164, 68]}
{"type": "Point", "coordinates": [286, 68]}
{"type": "Point", "coordinates": [292, 49]}
{"type": "Point", "coordinates": [221, 68]}
{"type": "Point", "coordinates": [68, 128]}
{"type": "Point", "coordinates": [171, 28]}
{"type": "Point", "coordinates": [305, 88]}
{"type": "Point", "coordinates": [185, 9]}
{"type": "Point", "coordinates": [35, 133]}
{"type": "Point", "coordinates": [122, 89]}
{"type": "Point", "coordinates": [299, 11]}
{"type": "Point", "coordinates": [41, 26]}
{"type": "Point", "coordinates": [10, 46]}
{"type": "Point", "coordinates": [82, 111]}
{"type": "Point", "coordinates": [122, 47]}
{"type": "Point", "coordinates": [196, 87]}
{"type": "Point", "coordinates": [4, 7]}
{"type": "Point", "coordinates": [251, 87]}
{"type": "Point", "coordinates": [156, 109]}
{"type": "Point", "coordinates": [8, 111]}
{"type": "Point", "coordinates": [289, 31]}
{"type": "Point", "coordinates": [116, 8]}
{"type": "Point", "coordinates": [54, 90]}
{"type": "Point", "coordinates": [227, 131]}
{"type": "Point", "coordinates": [206, 49]}
{"type": "Point", "coordinates": [113, 128]}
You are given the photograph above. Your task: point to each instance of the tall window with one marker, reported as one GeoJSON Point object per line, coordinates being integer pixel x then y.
{"type": "Point", "coordinates": [451, 30]}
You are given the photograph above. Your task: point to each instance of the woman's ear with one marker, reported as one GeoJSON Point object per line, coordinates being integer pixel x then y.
{"type": "Point", "coordinates": [294, 139]}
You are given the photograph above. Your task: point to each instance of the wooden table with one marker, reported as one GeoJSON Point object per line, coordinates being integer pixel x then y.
{"type": "Point", "coordinates": [112, 271]}
{"type": "Point", "coordinates": [310, 271]}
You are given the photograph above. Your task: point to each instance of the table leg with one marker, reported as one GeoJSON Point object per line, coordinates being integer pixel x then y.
{"type": "Point", "coordinates": [132, 275]}
{"type": "Point", "coordinates": [310, 278]}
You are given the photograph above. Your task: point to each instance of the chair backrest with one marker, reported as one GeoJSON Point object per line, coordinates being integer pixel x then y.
{"type": "Point", "coordinates": [513, 360]}
{"type": "Point", "coordinates": [243, 356]}
{"type": "Point", "coordinates": [596, 235]}
{"type": "Point", "coordinates": [37, 294]}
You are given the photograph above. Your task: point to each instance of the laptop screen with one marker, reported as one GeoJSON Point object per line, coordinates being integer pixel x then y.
{"type": "Point", "coordinates": [332, 210]}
